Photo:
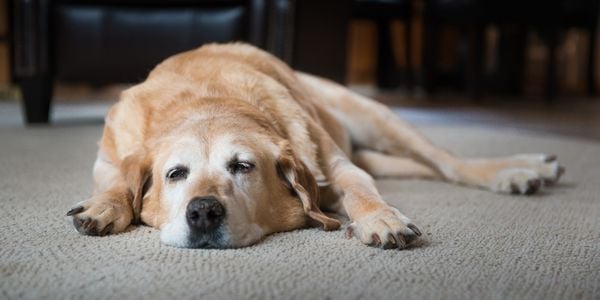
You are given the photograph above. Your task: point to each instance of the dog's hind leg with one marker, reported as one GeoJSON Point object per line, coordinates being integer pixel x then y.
{"type": "Point", "coordinates": [382, 165]}
{"type": "Point", "coordinates": [373, 126]}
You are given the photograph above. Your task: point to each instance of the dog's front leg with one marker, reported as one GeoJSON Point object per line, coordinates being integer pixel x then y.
{"type": "Point", "coordinates": [105, 213]}
{"type": "Point", "coordinates": [109, 210]}
{"type": "Point", "coordinates": [374, 222]}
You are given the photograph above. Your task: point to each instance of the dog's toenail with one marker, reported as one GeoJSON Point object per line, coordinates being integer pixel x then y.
{"type": "Point", "coordinates": [391, 241]}
{"type": "Point", "coordinates": [550, 158]}
{"type": "Point", "coordinates": [75, 210]}
{"type": "Point", "coordinates": [409, 238]}
{"type": "Point", "coordinates": [414, 229]}
{"type": "Point", "coordinates": [349, 232]}
{"type": "Point", "coordinates": [400, 240]}
{"type": "Point", "coordinates": [107, 229]}
{"type": "Point", "coordinates": [514, 189]}
{"type": "Point", "coordinates": [376, 241]}
{"type": "Point", "coordinates": [560, 172]}
{"type": "Point", "coordinates": [533, 186]}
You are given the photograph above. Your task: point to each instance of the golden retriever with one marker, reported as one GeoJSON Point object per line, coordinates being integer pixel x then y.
{"type": "Point", "coordinates": [223, 145]}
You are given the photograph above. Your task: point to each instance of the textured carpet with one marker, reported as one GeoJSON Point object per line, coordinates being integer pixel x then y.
{"type": "Point", "coordinates": [480, 245]}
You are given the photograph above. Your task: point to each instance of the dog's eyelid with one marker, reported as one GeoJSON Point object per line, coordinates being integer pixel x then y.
{"type": "Point", "coordinates": [241, 157]}
{"type": "Point", "coordinates": [240, 166]}
{"type": "Point", "coordinates": [177, 172]}
{"type": "Point", "coordinates": [178, 166]}
{"type": "Point", "coordinates": [242, 161]}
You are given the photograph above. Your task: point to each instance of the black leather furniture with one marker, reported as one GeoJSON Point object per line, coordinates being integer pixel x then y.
{"type": "Point", "coordinates": [102, 42]}
{"type": "Point", "coordinates": [119, 41]}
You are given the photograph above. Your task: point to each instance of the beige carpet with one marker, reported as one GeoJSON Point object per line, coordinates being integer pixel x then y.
{"type": "Point", "coordinates": [481, 245]}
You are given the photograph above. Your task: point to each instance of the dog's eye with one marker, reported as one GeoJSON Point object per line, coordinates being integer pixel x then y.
{"type": "Point", "coordinates": [240, 167]}
{"type": "Point", "coordinates": [177, 173]}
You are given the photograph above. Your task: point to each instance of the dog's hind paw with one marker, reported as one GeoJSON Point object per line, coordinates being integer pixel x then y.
{"type": "Point", "coordinates": [517, 181]}
{"type": "Point", "coordinates": [533, 172]}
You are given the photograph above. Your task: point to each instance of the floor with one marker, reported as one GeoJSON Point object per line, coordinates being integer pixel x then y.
{"type": "Point", "coordinates": [571, 117]}
{"type": "Point", "coordinates": [576, 116]}
{"type": "Point", "coordinates": [475, 244]}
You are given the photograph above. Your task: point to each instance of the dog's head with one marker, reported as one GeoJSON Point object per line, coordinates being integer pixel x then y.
{"type": "Point", "coordinates": [222, 181]}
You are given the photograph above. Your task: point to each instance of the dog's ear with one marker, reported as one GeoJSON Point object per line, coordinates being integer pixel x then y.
{"type": "Point", "coordinates": [301, 183]}
{"type": "Point", "coordinates": [136, 169]}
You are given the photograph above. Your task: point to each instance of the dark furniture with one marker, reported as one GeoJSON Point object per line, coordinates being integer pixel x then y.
{"type": "Point", "coordinates": [562, 14]}
{"type": "Point", "coordinates": [513, 19]}
{"type": "Point", "coordinates": [383, 12]}
{"type": "Point", "coordinates": [470, 18]}
{"type": "Point", "coordinates": [311, 35]}
{"type": "Point", "coordinates": [120, 41]}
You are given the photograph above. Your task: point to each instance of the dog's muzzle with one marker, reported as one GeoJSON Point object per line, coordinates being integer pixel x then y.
{"type": "Point", "coordinates": [204, 216]}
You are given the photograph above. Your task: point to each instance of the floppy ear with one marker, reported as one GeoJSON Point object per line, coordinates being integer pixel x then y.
{"type": "Point", "coordinates": [136, 169]}
{"type": "Point", "coordinates": [296, 176]}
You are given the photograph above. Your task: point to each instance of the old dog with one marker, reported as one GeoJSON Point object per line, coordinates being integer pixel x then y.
{"type": "Point", "coordinates": [225, 144]}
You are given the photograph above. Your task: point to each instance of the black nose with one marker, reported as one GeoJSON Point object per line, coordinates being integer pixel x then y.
{"type": "Point", "coordinates": [204, 213]}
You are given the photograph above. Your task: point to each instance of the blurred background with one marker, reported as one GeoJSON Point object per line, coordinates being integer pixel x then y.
{"type": "Point", "coordinates": [526, 64]}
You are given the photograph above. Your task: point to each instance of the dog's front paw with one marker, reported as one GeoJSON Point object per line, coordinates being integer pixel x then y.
{"type": "Point", "coordinates": [386, 228]}
{"type": "Point", "coordinates": [100, 216]}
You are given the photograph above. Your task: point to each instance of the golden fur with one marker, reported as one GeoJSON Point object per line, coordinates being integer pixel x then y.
{"type": "Point", "coordinates": [310, 142]}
